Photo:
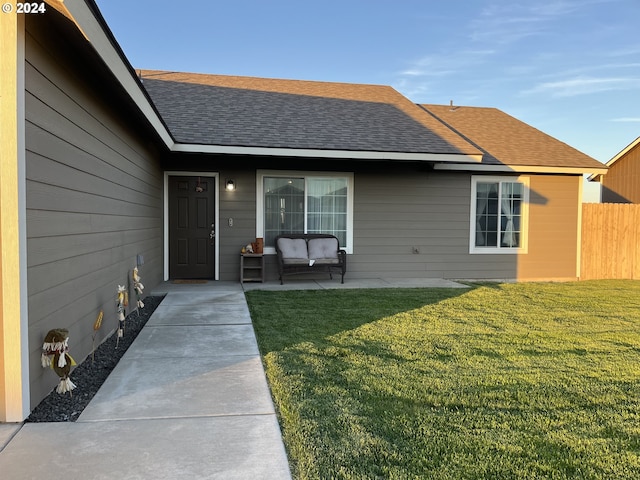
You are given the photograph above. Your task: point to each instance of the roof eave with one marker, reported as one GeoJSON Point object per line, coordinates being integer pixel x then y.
{"type": "Point", "coordinates": [321, 153]}
{"type": "Point", "coordinates": [521, 169]}
{"type": "Point", "coordinates": [86, 15]}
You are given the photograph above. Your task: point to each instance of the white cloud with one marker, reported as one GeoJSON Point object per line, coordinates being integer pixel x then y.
{"type": "Point", "coordinates": [594, 67]}
{"type": "Point", "coordinates": [508, 22]}
{"type": "Point", "coordinates": [541, 68]}
{"type": "Point", "coordinates": [626, 120]}
{"type": "Point", "coordinates": [624, 52]}
{"type": "Point", "coordinates": [451, 63]}
{"type": "Point", "coordinates": [421, 76]}
{"type": "Point", "coordinates": [584, 86]}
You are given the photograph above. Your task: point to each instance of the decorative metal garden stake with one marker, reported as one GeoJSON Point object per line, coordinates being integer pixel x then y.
{"type": "Point", "coordinates": [138, 287]}
{"type": "Point", "coordinates": [120, 309]}
{"type": "Point", "coordinates": [55, 355]}
{"type": "Point", "coordinates": [96, 326]}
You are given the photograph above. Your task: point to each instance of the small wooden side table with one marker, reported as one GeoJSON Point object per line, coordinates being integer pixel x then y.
{"type": "Point", "coordinates": [251, 267]}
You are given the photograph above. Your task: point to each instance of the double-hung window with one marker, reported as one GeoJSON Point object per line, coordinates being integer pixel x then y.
{"type": "Point", "coordinates": [499, 214]}
{"type": "Point", "coordinates": [304, 202]}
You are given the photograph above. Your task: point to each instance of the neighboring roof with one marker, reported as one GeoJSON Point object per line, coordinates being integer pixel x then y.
{"type": "Point", "coordinates": [618, 156]}
{"type": "Point", "coordinates": [232, 111]}
{"type": "Point", "coordinates": [506, 140]}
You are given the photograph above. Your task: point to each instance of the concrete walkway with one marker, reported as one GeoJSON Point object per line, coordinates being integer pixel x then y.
{"type": "Point", "coordinates": [188, 400]}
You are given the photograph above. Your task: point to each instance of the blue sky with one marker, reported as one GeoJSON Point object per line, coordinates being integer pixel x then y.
{"type": "Point", "coordinates": [570, 68]}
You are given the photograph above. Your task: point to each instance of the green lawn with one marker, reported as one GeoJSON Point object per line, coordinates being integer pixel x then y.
{"type": "Point", "coordinates": [503, 381]}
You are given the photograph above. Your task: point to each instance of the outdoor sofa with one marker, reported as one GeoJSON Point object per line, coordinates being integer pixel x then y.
{"type": "Point", "coordinates": [310, 253]}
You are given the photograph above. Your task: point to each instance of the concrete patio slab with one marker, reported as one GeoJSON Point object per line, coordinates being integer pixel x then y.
{"type": "Point", "coordinates": [201, 286]}
{"type": "Point", "coordinates": [201, 314]}
{"type": "Point", "coordinates": [326, 284]}
{"type": "Point", "coordinates": [185, 448]}
{"type": "Point", "coordinates": [182, 387]}
{"type": "Point", "coordinates": [204, 298]}
{"type": "Point", "coordinates": [191, 341]}
{"type": "Point", "coordinates": [422, 283]}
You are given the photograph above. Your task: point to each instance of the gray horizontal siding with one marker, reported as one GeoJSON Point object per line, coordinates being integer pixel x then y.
{"type": "Point", "coordinates": [47, 223]}
{"type": "Point", "coordinates": [241, 206]}
{"type": "Point", "coordinates": [411, 223]}
{"type": "Point", "coordinates": [94, 201]}
{"type": "Point", "coordinates": [397, 213]}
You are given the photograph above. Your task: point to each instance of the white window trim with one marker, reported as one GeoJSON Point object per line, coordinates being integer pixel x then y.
{"type": "Point", "coordinates": [260, 174]}
{"type": "Point", "coordinates": [524, 244]}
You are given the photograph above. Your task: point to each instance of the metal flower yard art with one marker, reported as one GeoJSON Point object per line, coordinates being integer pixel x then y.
{"type": "Point", "coordinates": [138, 287]}
{"type": "Point", "coordinates": [121, 303]}
{"type": "Point", "coordinates": [96, 326]}
{"type": "Point", "coordinates": [55, 355]}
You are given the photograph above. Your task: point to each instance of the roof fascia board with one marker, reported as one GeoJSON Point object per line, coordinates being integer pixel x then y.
{"type": "Point", "coordinates": [96, 33]}
{"type": "Point", "coordinates": [623, 152]}
{"type": "Point", "coordinates": [520, 169]}
{"type": "Point", "coordinates": [314, 153]}
{"type": "Point", "coordinates": [618, 156]}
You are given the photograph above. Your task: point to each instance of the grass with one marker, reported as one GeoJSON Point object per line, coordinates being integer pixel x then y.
{"type": "Point", "coordinates": [507, 381]}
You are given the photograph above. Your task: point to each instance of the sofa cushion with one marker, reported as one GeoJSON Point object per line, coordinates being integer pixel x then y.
{"type": "Point", "coordinates": [293, 248]}
{"type": "Point", "coordinates": [323, 248]}
{"type": "Point", "coordinates": [327, 261]}
{"type": "Point", "coordinates": [296, 261]}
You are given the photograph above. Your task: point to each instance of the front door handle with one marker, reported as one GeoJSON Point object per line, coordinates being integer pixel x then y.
{"type": "Point", "coordinates": [212, 234]}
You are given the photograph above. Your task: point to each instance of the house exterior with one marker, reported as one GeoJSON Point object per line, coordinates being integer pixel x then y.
{"type": "Point", "coordinates": [103, 166]}
{"type": "Point", "coordinates": [621, 184]}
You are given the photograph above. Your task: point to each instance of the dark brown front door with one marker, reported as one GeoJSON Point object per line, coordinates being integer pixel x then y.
{"type": "Point", "coordinates": [191, 227]}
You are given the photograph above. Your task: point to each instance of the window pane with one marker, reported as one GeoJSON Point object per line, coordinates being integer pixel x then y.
{"type": "Point", "coordinates": [511, 205]}
{"type": "Point", "coordinates": [287, 204]}
{"type": "Point", "coordinates": [283, 207]}
{"type": "Point", "coordinates": [327, 207]}
{"type": "Point", "coordinates": [486, 214]}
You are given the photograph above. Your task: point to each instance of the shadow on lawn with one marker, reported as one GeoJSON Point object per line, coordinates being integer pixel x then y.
{"type": "Point", "coordinates": [285, 319]}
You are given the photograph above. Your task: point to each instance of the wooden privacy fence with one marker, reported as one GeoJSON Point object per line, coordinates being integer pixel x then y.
{"type": "Point", "coordinates": [610, 241]}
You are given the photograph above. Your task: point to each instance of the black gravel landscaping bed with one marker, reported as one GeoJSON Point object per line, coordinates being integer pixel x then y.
{"type": "Point", "coordinates": [89, 375]}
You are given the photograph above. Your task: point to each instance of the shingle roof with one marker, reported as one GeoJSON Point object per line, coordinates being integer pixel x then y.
{"type": "Point", "coordinates": [270, 113]}
{"type": "Point", "coordinates": [506, 140]}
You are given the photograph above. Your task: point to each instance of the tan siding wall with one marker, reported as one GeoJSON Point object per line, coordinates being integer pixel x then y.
{"type": "Point", "coordinates": [94, 201]}
{"type": "Point", "coordinates": [621, 184]}
{"type": "Point", "coordinates": [553, 229]}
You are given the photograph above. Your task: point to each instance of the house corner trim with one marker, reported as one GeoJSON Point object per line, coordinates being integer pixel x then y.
{"type": "Point", "coordinates": [14, 349]}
